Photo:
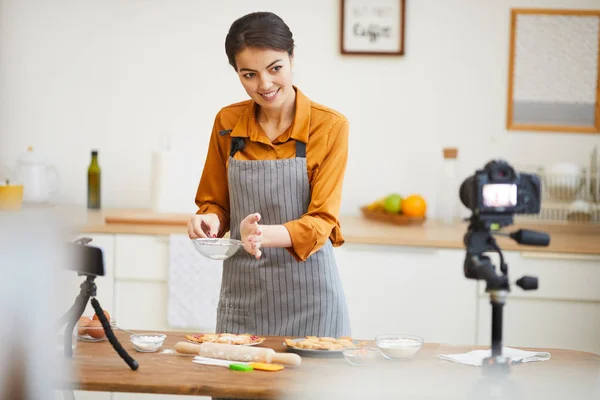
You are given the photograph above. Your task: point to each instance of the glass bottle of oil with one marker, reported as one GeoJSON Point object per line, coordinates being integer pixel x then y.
{"type": "Point", "coordinates": [94, 192]}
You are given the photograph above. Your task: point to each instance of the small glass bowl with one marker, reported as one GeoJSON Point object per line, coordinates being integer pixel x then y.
{"type": "Point", "coordinates": [399, 346]}
{"type": "Point", "coordinates": [216, 248]}
{"type": "Point", "coordinates": [147, 342]}
{"type": "Point", "coordinates": [361, 355]}
{"type": "Point", "coordinates": [93, 331]}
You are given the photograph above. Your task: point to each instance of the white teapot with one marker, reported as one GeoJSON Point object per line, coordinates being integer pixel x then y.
{"type": "Point", "coordinates": [40, 181]}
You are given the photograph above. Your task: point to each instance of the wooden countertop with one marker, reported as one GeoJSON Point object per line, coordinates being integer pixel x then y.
{"type": "Point", "coordinates": [565, 237]}
{"type": "Point", "coordinates": [98, 368]}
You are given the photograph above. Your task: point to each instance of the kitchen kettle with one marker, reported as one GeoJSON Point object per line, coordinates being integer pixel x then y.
{"type": "Point", "coordinates": [40, 180]}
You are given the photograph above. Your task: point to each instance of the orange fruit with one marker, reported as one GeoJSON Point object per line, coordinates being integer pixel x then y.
{"type": "Point", "coordinates": [414, 206]}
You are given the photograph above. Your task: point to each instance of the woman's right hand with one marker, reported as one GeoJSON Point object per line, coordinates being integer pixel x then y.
{"type": "Point", "coordinates": [203, 226]}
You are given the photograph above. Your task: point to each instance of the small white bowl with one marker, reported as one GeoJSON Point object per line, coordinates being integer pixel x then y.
{"type": "Point", "coordinates": [216, 248]}
{"type": "Point", "coordinates": [147, 342]}
{"type": "Point", "coordinates": [400, 346]}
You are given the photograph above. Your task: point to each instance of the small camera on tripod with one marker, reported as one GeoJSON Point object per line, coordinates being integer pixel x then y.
{"type": "Point", "coordinates": [89, 262]}
{"type": "Point", "coordinates": [494, 194]}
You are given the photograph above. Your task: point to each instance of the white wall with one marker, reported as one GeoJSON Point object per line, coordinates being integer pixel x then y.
{"type": "Point", "coordinates": [115, 75]}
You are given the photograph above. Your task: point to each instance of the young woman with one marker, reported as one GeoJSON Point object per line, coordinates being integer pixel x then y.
{"type": "Point", "coordinates": [273, 178]}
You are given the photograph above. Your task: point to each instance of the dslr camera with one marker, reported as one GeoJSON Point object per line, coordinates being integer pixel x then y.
{"type": "Point", "coordinates": [498, 190]}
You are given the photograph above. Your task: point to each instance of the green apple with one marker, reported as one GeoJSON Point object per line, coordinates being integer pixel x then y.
{"type": "Point", "coordinates": [393, 203]}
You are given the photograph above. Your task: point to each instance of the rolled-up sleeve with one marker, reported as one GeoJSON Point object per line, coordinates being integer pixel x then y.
{"type": "Point", "coordinates": [310, 232]}
{"type": "Point", "coordinates": [212, 195]}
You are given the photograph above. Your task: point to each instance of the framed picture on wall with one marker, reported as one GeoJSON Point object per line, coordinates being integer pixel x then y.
{"type": "Point", "coordinates": [372, 27]}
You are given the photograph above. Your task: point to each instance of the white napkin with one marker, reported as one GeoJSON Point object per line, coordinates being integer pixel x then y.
{"type": "Point", "coordinates": [476, 357]}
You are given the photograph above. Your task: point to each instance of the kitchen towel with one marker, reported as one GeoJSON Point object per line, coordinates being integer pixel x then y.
{"type": "Point", "coordinates": [476, 357]}
{"type": "Point", "coordinates": [194, 287]}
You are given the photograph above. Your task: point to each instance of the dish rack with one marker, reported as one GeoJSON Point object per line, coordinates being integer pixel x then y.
{"type": "Point", "coordinates": [570, 192]}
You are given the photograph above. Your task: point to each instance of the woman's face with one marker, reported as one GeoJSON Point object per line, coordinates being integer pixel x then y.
{"type": "Point", "coordinates": [266, 74]}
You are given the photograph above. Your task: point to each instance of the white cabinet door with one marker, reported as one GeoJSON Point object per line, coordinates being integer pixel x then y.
{"type": "Point", "coordinates": [83, 395]}
{"type": "Point", "coordinates": [142, 305]}
{"type": "Point", "coordinates": [408, 290]}
{"type": "Point", "coordinates": [563, 313]}
{"type": "Point", "coordinates": [138, 396]}
{"type": "Point", "coordinates": [142, 257]}
{"type": "Point", "coordinates": [141, 281]}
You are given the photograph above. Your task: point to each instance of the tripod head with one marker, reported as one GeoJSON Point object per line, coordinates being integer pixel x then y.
{"type": "Point", "coordinates": [479, 240]}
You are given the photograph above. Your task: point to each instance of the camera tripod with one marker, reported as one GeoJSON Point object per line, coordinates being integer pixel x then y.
{"type": "Point", "coordinates": [92, 266]}
{"type": "Point", "coordinates": [88, 290]}
{"type": "Point", "coordinates": [479, 240]}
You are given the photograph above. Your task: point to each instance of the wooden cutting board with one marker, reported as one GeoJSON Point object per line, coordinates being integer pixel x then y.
{"type": "Point", "coordinates": [147, 218]}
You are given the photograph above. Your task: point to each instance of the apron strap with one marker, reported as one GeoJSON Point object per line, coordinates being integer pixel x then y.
{"type": "Point", "coordinates": [238, 143]}
{"type": "Point", "coordinates": [300, 149]}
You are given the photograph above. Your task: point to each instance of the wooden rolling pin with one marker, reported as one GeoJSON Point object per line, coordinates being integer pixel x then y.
{"type": "Point", "coordinates": [238, 353]}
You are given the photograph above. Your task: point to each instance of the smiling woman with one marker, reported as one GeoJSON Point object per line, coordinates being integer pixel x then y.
{"type": "Point", "coordinates": [283, 158]}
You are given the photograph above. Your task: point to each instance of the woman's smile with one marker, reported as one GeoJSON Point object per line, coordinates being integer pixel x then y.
{"type": "Point", "coordinates": [270, 96]}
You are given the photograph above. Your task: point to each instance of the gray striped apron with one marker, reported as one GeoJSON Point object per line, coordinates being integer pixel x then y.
{"type": "Point", "coordinates": [277, 295]}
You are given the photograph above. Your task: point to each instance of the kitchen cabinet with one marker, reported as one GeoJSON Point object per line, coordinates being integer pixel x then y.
{"type": "Point", "coordinates": [563, 313]}
{"type": "Point", "coordinates": [414, 290]}
{"type": "Point", "coordinates": [141, 279]}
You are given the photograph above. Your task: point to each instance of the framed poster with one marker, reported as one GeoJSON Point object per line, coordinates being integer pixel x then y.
{"type": "Point", "coordinates": [373, 27]}
{"type": "Point", "coordinates": [554, 71]}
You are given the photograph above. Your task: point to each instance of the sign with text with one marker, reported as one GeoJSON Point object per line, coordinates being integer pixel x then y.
{"type": "Point", "coordinates": [373, 27]}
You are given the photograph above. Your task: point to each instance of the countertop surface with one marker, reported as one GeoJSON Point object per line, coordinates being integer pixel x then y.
{"type": "Point", "coordinates": [569, 238]}
{"type": "Point", "coordinates": [566, 238]}
{"type": "Point", "coordinates": [97, 367]}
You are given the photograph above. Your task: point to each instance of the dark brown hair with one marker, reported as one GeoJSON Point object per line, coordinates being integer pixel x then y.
{"type": "Point", "coordinates": [262, 30]}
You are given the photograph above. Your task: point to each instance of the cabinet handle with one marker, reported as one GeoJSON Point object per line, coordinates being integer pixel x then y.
{"type": "Point", "coordinates": [559, 256]}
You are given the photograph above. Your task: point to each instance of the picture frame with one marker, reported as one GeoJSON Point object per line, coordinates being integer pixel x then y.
{"type": "Point", "coordinates": [372, 27]}
{"type": "Point", "coordinates": [554, 71]}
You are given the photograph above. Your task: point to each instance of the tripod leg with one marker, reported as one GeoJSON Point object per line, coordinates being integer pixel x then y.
{"type": "Point", "coordinates": [72, 317]}
{"type": "Point", "coordinates": [111, 336]}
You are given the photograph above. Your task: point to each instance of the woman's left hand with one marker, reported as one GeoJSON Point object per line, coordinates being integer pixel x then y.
{"type": "Point", "coordinates": [251, 234]}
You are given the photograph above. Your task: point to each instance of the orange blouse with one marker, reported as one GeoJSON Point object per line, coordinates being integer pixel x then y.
{"type": "Point", "coordinates": [325, 133]}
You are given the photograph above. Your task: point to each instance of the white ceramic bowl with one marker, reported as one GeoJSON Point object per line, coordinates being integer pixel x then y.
{"type": "Point", "coordinates": [399, 346]}
{"type": "Point", "coordinates": [217, 249]}
{"type": "Point", "coordinates": [147, 342]}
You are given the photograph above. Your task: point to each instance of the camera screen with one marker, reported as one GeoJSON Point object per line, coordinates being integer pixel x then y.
{"type": "Point", "coordinates": [500, 195]}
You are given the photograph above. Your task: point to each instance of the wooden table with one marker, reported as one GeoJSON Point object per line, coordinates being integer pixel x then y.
{"type": "Point", "coordinates": [568, 374]}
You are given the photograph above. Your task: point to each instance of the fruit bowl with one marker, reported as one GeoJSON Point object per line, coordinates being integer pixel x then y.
{"type": "Point", "coordinates": [397, 219]}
